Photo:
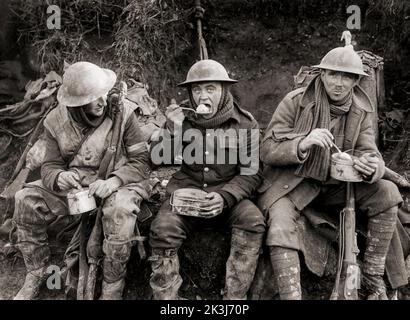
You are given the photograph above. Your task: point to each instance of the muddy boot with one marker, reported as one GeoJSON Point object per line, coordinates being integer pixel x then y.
{"type": "Point", "coordinates": [36, 258]}
{"type": "Point", "coordinates": [114, 269]}
{"type": "Point", "coordinates": [241, 264]}
{"type": "Point", "coordinates": [286, 270]}
{"type": "Point", "coordinates": [165, 278]}
{"type": "Point", "coordinates": [32, 283]}
{"type": "Point", "coordinates": [112, 291]}
{"type": "Point", "coordinates": [379, 234]}
{"type": "Point", "coordinates": [374, 286]}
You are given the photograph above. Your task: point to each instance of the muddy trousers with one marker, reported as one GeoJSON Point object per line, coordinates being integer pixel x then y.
{"type": "Point", "coordinates": [36, 208]}
{"type": "Point", "coordinates": [378, 200]}
{"type": "Point", "coordinates": [169, 230]}
{"type": "Point", "coordinates": [286, 264]}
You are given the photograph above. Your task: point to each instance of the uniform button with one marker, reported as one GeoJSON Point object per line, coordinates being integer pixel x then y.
{"type": "Point", "coordinates": [205, 185]}
{"type": "Point", "coordinates": [206, 169]}
{"type": "Point", "coordinates": [206, 153]}
{"type": "Point", "coordinates": [208, 134]}
{"type": "Point", "coordinates": [286, 186]}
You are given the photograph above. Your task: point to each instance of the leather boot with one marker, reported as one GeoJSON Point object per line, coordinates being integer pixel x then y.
{"type": "Point", "coordinates": [241, 264]}
{"type": "Point", "coordinates": [379, 234]}
{"type": "Point", "coordinates": [32, 283]}
{"type": "Point", "coordinates": [165, 279]}
{"type": "Point", "coordinates": [286, 270]}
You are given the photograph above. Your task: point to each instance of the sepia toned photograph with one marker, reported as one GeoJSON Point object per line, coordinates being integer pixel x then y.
{"type": "Point", "coordinates": [226, 152]}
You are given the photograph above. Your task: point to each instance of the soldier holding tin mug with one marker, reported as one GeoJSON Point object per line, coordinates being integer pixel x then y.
{"type": "Point", "coordinates": [77, 134]}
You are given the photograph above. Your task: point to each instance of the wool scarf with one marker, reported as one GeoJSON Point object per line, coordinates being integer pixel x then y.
{"type": "Point", "coordinates": [84, 119]}
{"type": "Point", "coordinates": [317, 114]}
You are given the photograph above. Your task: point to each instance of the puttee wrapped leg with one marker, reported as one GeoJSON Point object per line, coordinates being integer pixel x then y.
{"type": "Point", "coordinates": [286, 270]}
{"type": "Point", "coordinates": [379, 234]}
{"type": "Point", "coordinates": [242, 263]}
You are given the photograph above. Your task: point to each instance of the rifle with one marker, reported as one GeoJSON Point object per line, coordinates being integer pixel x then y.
{"type": "Point", "coordinates": [93, 248]}
{"type": "Point", "coordinates": [20, 174]}
{"type": "Point", "coordinates": [348, 275]}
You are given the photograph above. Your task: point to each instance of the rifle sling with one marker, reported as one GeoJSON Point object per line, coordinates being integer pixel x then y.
{"type": "Point", "coordinates": [105, 162]}
{"type": "Point", "coordinates": [84, 138]}
{"type": "Point", "coordinates": [112, 150]}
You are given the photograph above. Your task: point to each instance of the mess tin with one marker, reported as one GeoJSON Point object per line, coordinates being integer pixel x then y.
{"type": "Point", "coordinates": [341, 168]}
{"type": "Point", "coordinates": [190, 202]}
{"type": "Point", "coordinates": [79, 201]}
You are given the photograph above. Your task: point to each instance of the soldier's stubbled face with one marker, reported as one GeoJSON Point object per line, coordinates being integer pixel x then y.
{"type": "Point", "coordinates": [338, 84]}
{"type": "Point", "coordinates": [96, 108]}
{"type": "Point", "coordinates": [209, 94]}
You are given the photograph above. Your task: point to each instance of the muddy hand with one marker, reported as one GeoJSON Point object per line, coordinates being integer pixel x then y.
{"type": "Point", "coordinates": [68, 180]}
{"type": "Point", "coordinates": [367, 164]}
{"type": "Point", "coordinates": [104, 188]}
{"type": "Point", "coordinates": [214, 204]}
{"type": "Point", "coordinates": [319, 137]}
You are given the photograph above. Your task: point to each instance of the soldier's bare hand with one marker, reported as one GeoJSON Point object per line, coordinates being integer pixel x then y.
{"type": "Point", "coordinates": [68, 180]}
{"type": "Point", "coordinates": [104, 188]}
{"type": "Point", "coordinates": [213, 206]}
{"type": "Point", "coordinates": [366, 164]}
{"type": "Point", "coordinates": [319, 137]}
{"type": "Point", "coordinates": [175, 116]}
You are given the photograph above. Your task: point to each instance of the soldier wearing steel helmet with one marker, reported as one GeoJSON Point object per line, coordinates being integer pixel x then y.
{"type": "Point", "coordinates": [296, 151]}
{"type": "Point", "coordinates": [225, 190]}
{"type": "Point", "coordinates": [77, 134]}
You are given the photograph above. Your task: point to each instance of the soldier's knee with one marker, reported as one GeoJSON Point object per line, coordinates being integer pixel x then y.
{"type": "Point", "coordinates": [282, 214]}
{"type": "Point", "coordinates": [167, 231]}
{"type": "Point", "coordinates": [110, 200]}
{"type": "Point", "coordinates": [118, 223]}
{"type": "Point", "coordinates": [22, 202]}
{"type": "Point", "coordinates": [281, 226]}
{"type": "Point", "coordinates": [249, 217]}
{"type": "Point", "coordinates": [115, 251]}
{"type": "Point", "coordinates": [22, 196]}
{"type": "Point", "coordinates": [254, 221]}
{"type": "Point", "coordinates": [165, 224]}
{"type": "Point", "coordinates": [388, 190]}
{"type": "Point", "coordinates": [123, 200]}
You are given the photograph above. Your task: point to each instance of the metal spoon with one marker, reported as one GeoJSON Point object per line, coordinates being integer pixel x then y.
{"type": "Point", "coordinates": [342, 154]}
{"type": "Point", "coordinates": [190, 109]}
{"type": "Point", "coordinates": [337, 148]}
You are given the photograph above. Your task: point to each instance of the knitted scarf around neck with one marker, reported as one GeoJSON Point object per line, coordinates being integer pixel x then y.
{"type": "Point", "coordinates": [225, 111]}
{"type": "Point", "coordinates": [316, 114]}
{"type": "Point", "coordinates": [84, 119]}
